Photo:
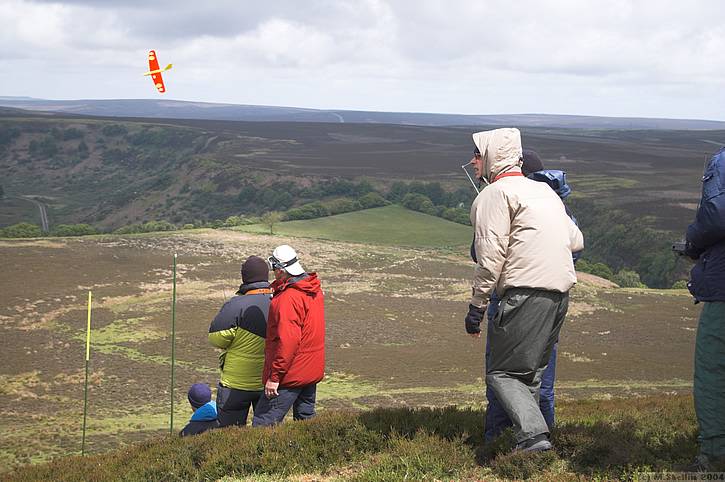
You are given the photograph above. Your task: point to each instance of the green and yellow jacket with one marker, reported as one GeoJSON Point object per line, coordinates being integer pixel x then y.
{"type": "Point", "coordinates": [239, 329]}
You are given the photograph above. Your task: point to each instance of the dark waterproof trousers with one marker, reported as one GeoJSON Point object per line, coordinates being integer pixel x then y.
{"type": "Point", "coordinates": [233, 405]}
{"type": "Point", "coordinates": [709, 383]}
{"type": "Point", "coordinates": [271, 411]}
{"type": "Point", "coordinates": [496, 418]}
{"type": "Point", "coordinates": [522, 337]}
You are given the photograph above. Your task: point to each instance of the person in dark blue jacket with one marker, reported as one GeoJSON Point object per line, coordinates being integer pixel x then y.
{"type": "Point", "coordinates": [706, 244]}
{"type": "Point", "coordinates": [496, 418]}
{"type": "Point", "coordinates": [205, 414]}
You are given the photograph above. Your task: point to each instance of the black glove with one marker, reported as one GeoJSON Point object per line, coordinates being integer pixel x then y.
{"type": "Point", "coordinates": [473, 319]}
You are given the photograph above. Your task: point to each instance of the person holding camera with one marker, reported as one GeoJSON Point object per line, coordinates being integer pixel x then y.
{"type": "Point", "coordinates": [705, 243]}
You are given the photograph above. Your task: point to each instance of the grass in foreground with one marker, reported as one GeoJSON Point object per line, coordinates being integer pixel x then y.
{"type": "Point", "coordinates": [615, 439]}
{"type": "Point", "coordinates": [390, 225]}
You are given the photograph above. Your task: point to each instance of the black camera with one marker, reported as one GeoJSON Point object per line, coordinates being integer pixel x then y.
{"type": "Point", "coordinates": [679, 247]}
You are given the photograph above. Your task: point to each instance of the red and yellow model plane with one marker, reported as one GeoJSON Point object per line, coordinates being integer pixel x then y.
{"type": "Point", "coordinates": [155, 72]}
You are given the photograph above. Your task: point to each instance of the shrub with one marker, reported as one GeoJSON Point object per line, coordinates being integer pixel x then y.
{"type": "Point", "coordinates": [21, 230]}
{"type": "Point", "coordinates": [308, 211]}
{"type": "Point", "coordinates": [628, 279]}
{"type": "Point", "coordinates": [342, 205]}
{"type": "Point", "coordinates": [419, 202]}
{"type": "Point", "coordinates": [397, 191]}
{"type": "Point", "coordinates": [457, 215]}
{"type": "Point", "coordinates": [83, 150]}
{"type": "Point", "coordinates": [72, 133]}
{"type": "Point", "coordinates": [233, 221]}
{"type": "Point", "coordinates": [680, 285]}
{"type": "Point", "coordinates": [46, 147]}
{"type": "Point", "coordinates": [597, 269]}
{"type": "Point", "coordinates": [149, 227]}
{"type": "Point", "coordinates": [111, 130]}
{"type": "Point", "coordinates": [73, 230]}
{"type": "Point", "coordinates": [372, 200]}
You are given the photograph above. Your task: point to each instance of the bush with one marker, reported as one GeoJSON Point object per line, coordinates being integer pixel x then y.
{"type": "Point", "coordinates": [112, 130]}
{"type": "Point", "coordinates": [628, 279]}
{"type": "Point", "coordinates": [73, 230]}
{"type": "Point", "coordinates": [72, 133]}
{"type": "Point", "coordinates": [149, 227]}
{"type": "Point", "coordinates": [457, 215]}
{"type": "Point", "coordinates": [233, 221]}
{"type": "Point", "coordinates": [372, 200]}
{"type": "Point", "coordinates": [419, 202]}
{"type": "Point", "coordinates": [46, 147]}
{"type": "Point", "coordinates": [83, 150]}
{"type": "Point", "coordinates": [308, 211]}
{"type": "Point", "coordinates": [397, 191]}
{"type": "Point", "coordinates": [597, 269]}
{"type": "Point", "coordinates": [680, 285]}
{"type": "Point", "coordinates": [21, 230]}
{"type": "Point", "coordinates": [8, 135]}
{"type": "Point", "coordinates": [342, 205]}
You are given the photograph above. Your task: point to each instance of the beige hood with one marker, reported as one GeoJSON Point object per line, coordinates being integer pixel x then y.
{"type": "Point", "coordinates": [500, 150]}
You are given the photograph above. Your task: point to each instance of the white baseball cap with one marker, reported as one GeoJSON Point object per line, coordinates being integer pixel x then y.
{"type": "Point", "coordinates": [284, 257]}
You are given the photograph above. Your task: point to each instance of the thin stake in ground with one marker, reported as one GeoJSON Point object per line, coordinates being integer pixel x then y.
{"type": "Point", "coordinates": [85, 387]}
{"type": "Point", "coordinates": [173, 347]}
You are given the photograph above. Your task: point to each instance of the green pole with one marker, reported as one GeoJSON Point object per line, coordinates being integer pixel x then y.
{"type": "Point", "coordinates": [173, 347]}
{"type": "Point", "coordinates": [85, 388]}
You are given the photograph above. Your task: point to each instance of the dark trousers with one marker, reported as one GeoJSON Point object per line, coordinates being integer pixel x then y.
{"type": "Point", "coordinates": [709, 382]}
{"type": "Point", "coordinates": [271, 411]}
{"type": "Point", "coordinates": [233, 405]}
{"type": "Point", "coordinates": [496, 418]}
{"type": "Point", "coordinates": [522, 338]}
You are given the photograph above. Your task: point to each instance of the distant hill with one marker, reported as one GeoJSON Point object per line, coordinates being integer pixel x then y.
{"type": "Point", "coordinates": [177, 109]}
{"type": "Point", "coordinates": [111, 172]}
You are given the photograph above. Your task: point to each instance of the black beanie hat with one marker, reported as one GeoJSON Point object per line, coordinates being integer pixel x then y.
{"type": "Point", "coordinates": [532, 162]}
{"type": "Point", "coordinates": [254, 270]}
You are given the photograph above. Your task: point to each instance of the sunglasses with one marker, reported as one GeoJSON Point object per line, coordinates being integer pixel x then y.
{"type": "Point", "coordinates": [277, 264]}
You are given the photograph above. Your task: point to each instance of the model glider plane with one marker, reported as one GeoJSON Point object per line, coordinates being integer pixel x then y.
{"type": "Point", "coordinates": [155, 72]}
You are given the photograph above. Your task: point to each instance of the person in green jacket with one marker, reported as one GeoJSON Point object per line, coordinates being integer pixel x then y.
{"type": "Point", "coordinates": [239, 330]}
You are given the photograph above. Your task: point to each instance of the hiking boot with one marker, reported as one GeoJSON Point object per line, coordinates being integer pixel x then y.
{"type": "Point", "coordinates": [706, 463]}
{"type": "Point", "coordinates": [538, 443]}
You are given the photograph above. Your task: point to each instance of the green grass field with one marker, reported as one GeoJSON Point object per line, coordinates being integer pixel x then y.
{"type": "Point", "coordinates": [389, 225]}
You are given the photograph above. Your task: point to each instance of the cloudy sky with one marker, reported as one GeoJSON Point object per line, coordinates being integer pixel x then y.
{"type": "Point", "coordinates": [653, 58]}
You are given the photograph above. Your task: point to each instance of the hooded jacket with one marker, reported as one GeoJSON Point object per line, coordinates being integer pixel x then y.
{"type": "Point", "coordinates": [294, 354]}
{"type": "Point", "coordinates": [706, 236]}
{"type": "Point", "coordinates": [239, 329]}
{"type": "Point", "coordinates": [204, 418]}
{"type": "Point", "coordinates": [522, 234]}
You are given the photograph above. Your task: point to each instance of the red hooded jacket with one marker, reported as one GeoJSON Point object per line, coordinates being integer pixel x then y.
{"type": "Point", "coordinates": [294, 351]}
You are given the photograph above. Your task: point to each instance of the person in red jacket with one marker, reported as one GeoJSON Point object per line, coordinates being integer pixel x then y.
{"type": "Point", "coordinates": [294, 351]}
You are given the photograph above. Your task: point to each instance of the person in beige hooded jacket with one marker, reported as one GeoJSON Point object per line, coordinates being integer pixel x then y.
{"type": "Point", "coordinates": [523, 240]}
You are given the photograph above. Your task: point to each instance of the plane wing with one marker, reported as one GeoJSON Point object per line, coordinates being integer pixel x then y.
{"type": "Point", "coordinates": [156, 72]}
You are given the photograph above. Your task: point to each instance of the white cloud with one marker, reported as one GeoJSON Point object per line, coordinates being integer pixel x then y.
{"type": "Point", "coordinates": [623, 57]}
